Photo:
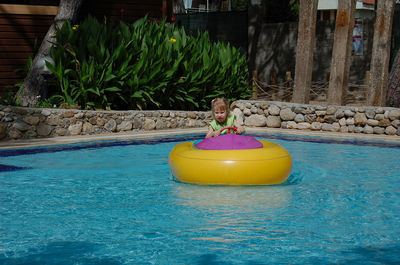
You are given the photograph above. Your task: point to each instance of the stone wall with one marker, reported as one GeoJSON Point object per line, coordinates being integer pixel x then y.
{"type": "Point", "coordinates": [346, 119]}
{"type": "Point", "coordinates": [23, 123]}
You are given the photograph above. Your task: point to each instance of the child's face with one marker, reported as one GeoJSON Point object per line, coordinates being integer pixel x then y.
{"type": "Point", "coordinates": [220, 114]}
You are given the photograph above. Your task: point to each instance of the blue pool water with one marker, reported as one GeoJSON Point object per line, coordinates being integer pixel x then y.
{"type": "Point", "coordinates": [116, 203]}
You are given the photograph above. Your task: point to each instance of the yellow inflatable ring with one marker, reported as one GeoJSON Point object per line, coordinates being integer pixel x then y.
{"type": "Point", "coordinates": [270, 164]}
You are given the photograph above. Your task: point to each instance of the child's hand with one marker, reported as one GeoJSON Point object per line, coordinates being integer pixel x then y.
{"type": "Point", "coordinates": [217, 133]}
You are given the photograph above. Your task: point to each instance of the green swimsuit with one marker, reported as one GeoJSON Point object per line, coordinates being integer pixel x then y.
{"type": "Point", "coordinates": [228, 123]}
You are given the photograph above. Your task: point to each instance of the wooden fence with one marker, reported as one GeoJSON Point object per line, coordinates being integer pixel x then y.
{"type": "Point", "coordinates": [23, 27]}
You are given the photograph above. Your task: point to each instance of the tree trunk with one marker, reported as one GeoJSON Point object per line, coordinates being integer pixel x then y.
{"type": "Point", "coordinates": [393, 99]}
{"type": "Point", "coordinates": [381, 53]}
{"type": "Point", "coordinates": [340, 65]}
{"type": "Point", "coordinates": [179, 7]}
{"type": "Point", "coordinates": [305, 50]}
{"type": "Point", "coordinates": [29, 92]}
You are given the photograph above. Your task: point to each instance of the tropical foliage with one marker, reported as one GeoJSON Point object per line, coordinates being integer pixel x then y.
{"type": "Point", "coordinates": [144, 65]}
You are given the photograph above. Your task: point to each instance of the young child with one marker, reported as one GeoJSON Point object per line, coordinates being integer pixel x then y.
{"type": "Point", "coordinates": [222, 118]}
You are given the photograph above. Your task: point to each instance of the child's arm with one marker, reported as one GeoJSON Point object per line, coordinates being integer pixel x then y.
{"type": "Point", "coordinates": [240, 128]}
{"type": "Point", "coordinates": [211, 132]}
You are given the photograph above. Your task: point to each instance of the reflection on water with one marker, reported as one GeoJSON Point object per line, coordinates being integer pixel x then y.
{"type": "Point", "coordinates": [234, 213]}
{"type": "Point", "coordinates": [267, 197]}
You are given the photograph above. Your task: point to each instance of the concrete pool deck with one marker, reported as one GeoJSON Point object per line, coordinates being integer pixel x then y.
{"type": "Point", "coordinates": [9, 144]}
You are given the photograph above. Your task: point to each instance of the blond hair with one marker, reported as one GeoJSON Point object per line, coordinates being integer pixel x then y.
{"type": "Point", "coordinates": [219, 103]}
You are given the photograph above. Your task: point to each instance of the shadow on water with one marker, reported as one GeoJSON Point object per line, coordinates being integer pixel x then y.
{"type": "Point", "coordinates": [62, 253]}
{"type": "Point", "coordinates": [212, 259]}
{"type": "Point", "coordinates": [294, 179]}
{"type": "Point", "coordinates": [358, 256]}
{"type": "Point", "coordinates": [7, 168]}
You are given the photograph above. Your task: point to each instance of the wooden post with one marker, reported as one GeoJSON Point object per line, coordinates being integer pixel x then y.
{"type": "Point", "coordinates": [340, 65]}
{"type": "Point", "coordinates": [255, 87]}
{"type": "Point", "coordinates": [305, 50]}
{"type": "Point", "coordinates": [164, 8]}
{"type": "Point", "coordinates": [381, 53]}
{"type": "Point", "coordinates": [289, 83]}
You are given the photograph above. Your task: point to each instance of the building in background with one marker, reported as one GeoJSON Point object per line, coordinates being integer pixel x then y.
{"type": "Point", "coordinates": [365, 9]}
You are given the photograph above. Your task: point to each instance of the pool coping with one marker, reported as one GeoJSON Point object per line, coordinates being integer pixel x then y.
{"type": "Point", "coordinates": [12, 144]}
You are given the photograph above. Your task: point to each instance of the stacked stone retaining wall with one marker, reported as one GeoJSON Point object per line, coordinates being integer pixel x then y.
{"type": "Point", "coordinates": [346, 119]}
{"type": "Point", "coordinates": [24, 123]}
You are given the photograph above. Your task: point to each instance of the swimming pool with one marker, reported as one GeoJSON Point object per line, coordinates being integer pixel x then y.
{"type": "Point", "coordinates": [115, 202]}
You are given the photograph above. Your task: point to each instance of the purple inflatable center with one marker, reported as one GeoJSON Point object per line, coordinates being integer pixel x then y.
{"type": "Point", "coordinates": [229, 142]}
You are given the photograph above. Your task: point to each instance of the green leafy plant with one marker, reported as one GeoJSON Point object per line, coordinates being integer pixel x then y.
{"type": "Point", "coordinates": [144, 65]}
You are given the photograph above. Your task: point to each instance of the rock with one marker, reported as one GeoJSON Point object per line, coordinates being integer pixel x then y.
{"type": "Point", "coordinates": [368, 129]}
{"type": "Point", "coordinates": [20, 126]}
{"type": "Point", "coordinates": [320, 112]}
{"type": "Point", "coordinates": [53, 120]}
{"type": "Point", "coordinates": [291, 125]}
{"type": "Point", "coordinates": [31, 120]}
{"type": "Point", "coordinates": [287, 114]}
{"type": "Point", "coordinates": [191, 115]}
{"type": "Point", "coordinates": [14, 134]}
{"type": "Point", "coordinates": [358, 129]}
{"type": "Point", "coordinates": [310, 118]}
{"type": "Point", "coordinates": [303, 126]}
{"type": "Point", "coordinates": [299, 110]}
{"type": "Point", "coordinates": [68, 114]}
{"type": "Point", "coordinates": [2, 130]}
{"type": "Point", "coordinates": [379, 117]}
{"type": "Point", "coordinates": [342, 122]}
{"type": "Point", "coordinates": [394, 114]}
{"type": "Point", "coordinates": [79, 115]}
{"type": "Point", "coordinates": [87, 127]}
{"type": "Point", "coordinates": [256, 120]}
{"type": "Point", "coordinates": [61, 131]}
{"type": "Point", "coordinates": [396, 123]}
{"type": "Point", "coordinates": [370, 113]}
{"type": "Point", "coordinates": [75, 129]}
{"type": "Point", "coordinates": [160, 124]}
{"type": "Point", "coordinates": [316, 126]}
{"type": "Point", "coordinates": [372, 122]}
{"type": "Point", "coordinates": [384, 123]}
{"type": "Point", "coordinates": [348, 113]}
{"type": "Point", "coordinates": [351, 128]}
{"type": "Point", "coordinates": [379, 130]}
{"type": "Point", "coordinates": [247, 112]}
{"type": "Point", "coordinates": [264, 105]}
{"type": "Point", "coordinates": [330, 118]}
{"type": "Point", "coordinates": [254, 110]}
{"type": "Point", "coordinates": [149, 124]}
{"type": "Point", "coordinates": [360, 119]}
{"type": "Point", "coordinates": [379, 110]}
{"type": "Point", "coordinates": [43, 130]}
{"type": "Point", "coordinates": [339, 114]}
{"type": "Point", "coordinates": [350, 121]}
{"type": "Point", "coordinates": [335, 127]}
{"type": "Point", "coordinates": [390, 130]}
{"type": "Point", "coordinates": [239, 115]}
{"type": "Point", "coordinates": [273, 122]}
{"type": "Point", "coordinates": [330, 110]}
{"type": "Point", "coordinates": [110, 125]}
{"type": "Point", "coordinates": [124, 126]}
{"type": "Point", "coordinates": [299, 118]}
{"type": "Point", "coordinates": [46, 112]}
{"type": "Point", "coordinates": [326, 127]}
{"type": "Point", "coordinates": [137, 123]}
{"type": "Point", "coordinates": [344, 129]}
{"type": "Point", "coordinates": [9, 118]}
{"type": "Point", "coordinates": [274, 110]}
